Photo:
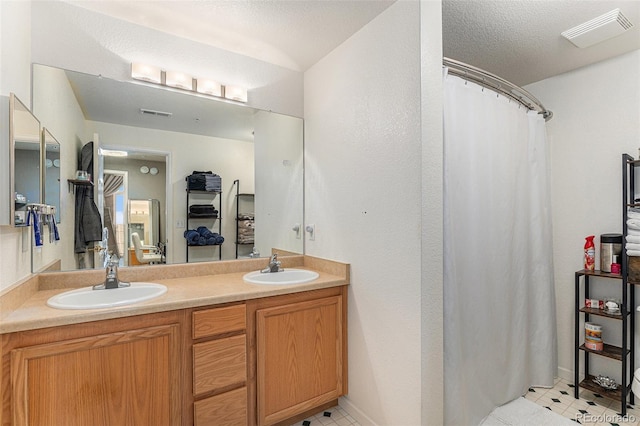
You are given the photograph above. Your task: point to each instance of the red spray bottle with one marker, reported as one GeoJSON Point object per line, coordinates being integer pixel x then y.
{"type": "Point", "coordinates": [589, 253]}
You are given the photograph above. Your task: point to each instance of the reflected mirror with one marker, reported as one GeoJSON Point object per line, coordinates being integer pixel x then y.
{"type": "Point", "coordinates": [162, 136]}
{"type": "Point", "coordinates": [25, 174]}
{"type": "Point", "coordinates": [144, 221]}
{"type": "Point", "coordinates": [51, 171]}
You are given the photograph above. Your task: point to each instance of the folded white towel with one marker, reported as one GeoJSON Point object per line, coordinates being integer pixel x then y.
{"type": "Point", "coordinates": [633, 238]}
{"type": "Point", "coordinates": [633, 231]}
{"type": "Point", "coordinates": [633, 253]}
{"type": "Point", "coordinates": [633, 213]}
{"type": "Point", "coordinates": [633, 224]}
{"type": "Point", "coordinates": [632, 246]}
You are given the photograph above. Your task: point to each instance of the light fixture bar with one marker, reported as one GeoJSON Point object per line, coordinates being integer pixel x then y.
{"type": "Point", "coordinates": [186, 82]}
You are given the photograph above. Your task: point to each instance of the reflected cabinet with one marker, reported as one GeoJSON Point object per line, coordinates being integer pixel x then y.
{"type": "Point", "coordinates": [20, 161]}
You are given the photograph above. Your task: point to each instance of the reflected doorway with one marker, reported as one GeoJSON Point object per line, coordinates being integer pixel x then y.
{"type": "Point", "coordinates": [116, 183]}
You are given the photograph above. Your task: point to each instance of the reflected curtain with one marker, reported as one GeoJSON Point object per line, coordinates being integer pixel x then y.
{"type": "Point", "coordinates": [499, 313]}
{"type": "Point", "coordinates": [112, 184]}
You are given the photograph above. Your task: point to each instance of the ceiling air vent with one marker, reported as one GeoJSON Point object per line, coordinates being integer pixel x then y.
{"type": "Point", "coordinates": [599, 29]}
{"type": "Point", "coordinates": [156, 113]}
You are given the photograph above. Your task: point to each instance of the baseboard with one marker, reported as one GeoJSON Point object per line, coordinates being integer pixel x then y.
{"type": "Point", "coordinates": [346, 404]}
{"type": "Point", "coordinates": [565, 374]}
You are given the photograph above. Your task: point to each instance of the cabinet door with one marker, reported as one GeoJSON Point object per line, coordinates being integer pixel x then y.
{"type": "Point", "coordinates": [299, 348]}
{"type": "Point", "coordinates": [123, 378]}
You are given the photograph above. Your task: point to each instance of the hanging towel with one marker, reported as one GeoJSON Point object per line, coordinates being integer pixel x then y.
{"type": "Point", "coordinates": [88, 223]}
{"type": "Point", "coordinates": [56, 234]}
{"type": "Point", "coordinates": [37, 230]}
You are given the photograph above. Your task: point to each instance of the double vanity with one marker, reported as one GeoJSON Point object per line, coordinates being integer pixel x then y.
{"type": "Point", "coordinates": [219, 347]}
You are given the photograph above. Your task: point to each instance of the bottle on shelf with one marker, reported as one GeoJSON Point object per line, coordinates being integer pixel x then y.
{"type": "Point", "coordinates": [589, 254]}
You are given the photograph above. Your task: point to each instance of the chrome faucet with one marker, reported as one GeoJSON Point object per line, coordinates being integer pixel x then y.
{"type": "Point", "coordinates": [274, 265]}
{"type": "Point", "coordinates": [111, 281]}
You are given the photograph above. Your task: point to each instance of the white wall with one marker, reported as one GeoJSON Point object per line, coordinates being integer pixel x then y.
{"type": "Point", "coordinates": [363, 192]}
{"type": "Point", "coordinates": [15, 39]}
{"type": "Point", "coordinates": [15, 49]}
{"type": "Point", "coordinates": [596, 119]}
{"type": "Point", "coordinates": [432, 214]}
{"type": "Point", "coordinates": [278, 183]}
{"type": "Point", "coordinates": [70, 37]}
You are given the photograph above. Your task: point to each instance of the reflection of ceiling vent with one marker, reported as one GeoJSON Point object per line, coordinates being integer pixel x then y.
{"type": "Point", "coordinates": [157, 113]}
{"type": "Point", "coordinates": [599, 29]}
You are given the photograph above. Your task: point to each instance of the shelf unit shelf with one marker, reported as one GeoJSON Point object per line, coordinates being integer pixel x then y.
{"type": "Point", "coordinates": [240, 196]}
{"type": "Point", "coordinates": [602, 313]}
{"type": "Point", "coordinates": [215, 220]}
{"type": "Point", "coordinates": [609, 351]}
{"type": "Point", "coordinates": [589, 384]}
{"type": "Point", "coordinates": [73, 183]}
{"type": "Point", "coordinates": [625, 353]}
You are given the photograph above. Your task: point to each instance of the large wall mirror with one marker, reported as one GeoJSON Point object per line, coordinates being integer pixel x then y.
{"type": "Point", "coordinates": [153, 138]}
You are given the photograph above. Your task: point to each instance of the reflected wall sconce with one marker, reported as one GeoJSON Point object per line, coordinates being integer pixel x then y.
{"type": "Point", "coordinates": [183, 81]}
{"type": "Point", "coordinates": [145, 169]}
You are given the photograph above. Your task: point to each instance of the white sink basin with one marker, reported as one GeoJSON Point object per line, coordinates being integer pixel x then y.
{"type": "Point", "coordinates": [288, 276]}
{"type": "Point", "coordinates": [88, 298]}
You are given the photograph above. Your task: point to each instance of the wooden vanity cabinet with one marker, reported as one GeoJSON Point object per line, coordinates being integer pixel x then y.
{"type": "Point", "coordinates": [220, 366]}
{"type": "Point", "coordinates": [129, 374]}
{"type": "Point", "coordinates": [265, 361]}
{"type": "Point", "coordinates": [301, 356]}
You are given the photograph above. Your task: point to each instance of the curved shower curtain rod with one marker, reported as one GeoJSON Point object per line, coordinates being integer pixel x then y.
{"type": "Point", "coordinates": [497, 84]}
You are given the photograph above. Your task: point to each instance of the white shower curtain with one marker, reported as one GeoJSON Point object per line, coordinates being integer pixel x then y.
{"type": "Point", "coordinates": [500, 326]}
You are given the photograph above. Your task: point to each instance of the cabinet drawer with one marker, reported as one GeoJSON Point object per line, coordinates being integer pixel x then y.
{"type": "Point", "coordinates": [211, 322]}
{"type": "Point", "coordinates": [219, 363]}
{"type": "Point", "coordinates": [229, 408]}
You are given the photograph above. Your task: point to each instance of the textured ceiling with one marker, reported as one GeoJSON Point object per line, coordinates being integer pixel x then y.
{"type": "Point", "coordinates": [520, 40]}
{"type": "Point", "coordinates": [294, 34]}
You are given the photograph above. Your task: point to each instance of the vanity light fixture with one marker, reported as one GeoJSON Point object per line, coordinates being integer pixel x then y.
{"type": "Point", "coordinates": [187, 83]}
{"type": "Point", "coordinates": [179, 80]}
{"type": "Point", "coordinates": [147, 73]}
{"type": "Point", "coordinates": [209, 87]}
{"type": "Point", "coordinates": [235, 93]}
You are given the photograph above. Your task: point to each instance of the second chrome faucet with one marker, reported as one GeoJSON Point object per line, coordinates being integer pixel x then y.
{"type": "Point", "coordinates": [274, 265]}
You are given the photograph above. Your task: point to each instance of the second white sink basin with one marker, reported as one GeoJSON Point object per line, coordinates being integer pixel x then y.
{"type": "Point", "coordinates": [88, 298]}
{"type": "Point", "coordinates": [288, 276]}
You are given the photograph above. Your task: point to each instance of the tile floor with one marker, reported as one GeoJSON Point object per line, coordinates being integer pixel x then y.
{"type": "Point", "coordinates": [590, 409]}
{"type": "Point", "coordinates": [334, 416]}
